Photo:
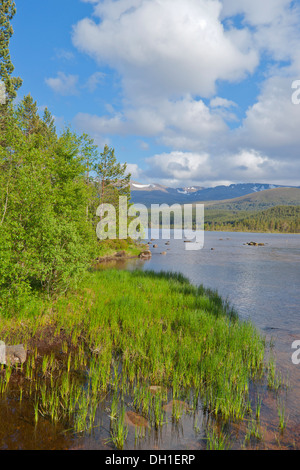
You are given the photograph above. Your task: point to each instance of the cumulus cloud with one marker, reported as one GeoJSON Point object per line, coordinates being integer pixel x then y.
{"type": "Point", "coordinates": [174, 47]}
{"type": "Point", "coordinates": [63, 84]}
{"type": "Point", "coordinates": [275, 23]}
{"type": "Point", "coordinates": [272, 123]}
{"type": "Point", "coordinates": [171, 57]}
{"type": "Point", "coordinates": [182, 168]}
{"type": "Point", "coordinates": [170, 122]}
{"type": "Point", "coordinates": [179, 166]}
{"type": "Point", "coordinates": [135, 171]}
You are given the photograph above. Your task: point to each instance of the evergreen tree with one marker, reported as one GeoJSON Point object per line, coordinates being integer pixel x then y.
{"type": "Point", "coordinates": [112, 182]}
{"type": "Point", "coordinates": [112, 177]}
{"type": "Point", "coordinates": [8, 85]}
{"type": "Point", "coordinates": [49, 129]}
{"type": "Point", "coordinates": [29, 120]}
{"type": "Point", "coordinates": [12, 84]}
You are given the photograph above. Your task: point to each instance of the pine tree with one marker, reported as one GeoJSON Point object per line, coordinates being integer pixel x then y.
{"type": "Point", "coordinates": [29, 119]}
{"type": "Point", "coordinates": [12, 84]}
{"type": "Point", "coordinates": [8, 85]}
{"type": "Point", "coordinates": [112, 181]}
{"type": "Point", "coordinates": [49, 129]}
{"type": "Point", "coordinates": [112, 175]}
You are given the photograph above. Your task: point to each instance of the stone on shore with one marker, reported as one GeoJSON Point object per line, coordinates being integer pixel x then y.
{"type": "Point", "coordinates": [145, 254]}
{"type": "Point", "coordinates": [16, 354]}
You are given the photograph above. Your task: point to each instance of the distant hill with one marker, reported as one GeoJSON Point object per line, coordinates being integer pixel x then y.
{"type": "Point", "coordinates": [258, 201]}
{"type": "Point", "coordinates": [148, 194]}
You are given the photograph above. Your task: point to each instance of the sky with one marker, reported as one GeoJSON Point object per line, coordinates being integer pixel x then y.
{"type": "Point", "coordinates": [187, 92]}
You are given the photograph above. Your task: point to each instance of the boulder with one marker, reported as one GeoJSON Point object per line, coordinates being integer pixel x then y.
{"type": "Point", "coordinates": [12, 354]}
{"type": "Point", "coordinates": [145, 254]}
{"type": "Point", "coordinates": [254, 244]}
{"type": "Point", "coordinates": [134, 419]}
{"type": "Point", "coordinates": [181, 405]}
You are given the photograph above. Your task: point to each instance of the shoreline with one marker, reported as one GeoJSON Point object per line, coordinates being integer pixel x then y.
{"type": "Point", "coordinates": [134, 318]}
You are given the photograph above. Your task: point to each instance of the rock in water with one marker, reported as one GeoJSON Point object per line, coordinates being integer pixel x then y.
{"type": "Point", "coordinates": [134, 419]}
{"type": "Point", "coordinates": [145, 254]}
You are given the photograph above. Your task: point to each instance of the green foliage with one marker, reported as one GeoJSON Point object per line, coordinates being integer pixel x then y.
{"type": "Point", "coordinates": [48, 194]}
{"type": "Point", "coordinates": [12, 84]}
{"type": "Point", "coordinates": [112, 177]}
{"type": "Point", "coordinates": [47, 201]}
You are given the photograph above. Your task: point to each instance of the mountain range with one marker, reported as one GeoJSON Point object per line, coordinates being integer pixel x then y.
{"type": "Point", "coordinates": [148, 194]}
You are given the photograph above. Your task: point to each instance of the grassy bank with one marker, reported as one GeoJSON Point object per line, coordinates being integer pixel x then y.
{"type": "Point", "coordinates": [128, 331]}
{"type": "Point", "coordinates": [127, 248]}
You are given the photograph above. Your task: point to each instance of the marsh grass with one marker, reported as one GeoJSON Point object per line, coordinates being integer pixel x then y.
{"type": "Point", "coordinates": [124, 331]}
{"type": "Point", "coordinates": [282, 414]}
{"type": "Point", "coordinates": [253, 432]}
{"type": "Point", "coordinates": [217, 439]}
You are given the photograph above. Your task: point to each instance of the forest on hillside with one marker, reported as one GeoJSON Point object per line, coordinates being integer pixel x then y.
{"type": "Point", "coordinates": [283, 219]}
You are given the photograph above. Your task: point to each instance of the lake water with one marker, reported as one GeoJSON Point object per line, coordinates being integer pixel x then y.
{"type": "Point", "coordinates": [261, 282]}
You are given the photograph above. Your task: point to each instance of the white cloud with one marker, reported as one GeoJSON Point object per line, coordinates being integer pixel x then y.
{"type": "Point", "coordinates": [63, 84]}
{"type": "Point", "coordinates": [171, 122]}
{"type": "Point", "coordinates": [179, 166]}
{"type": "Point", "coordinates": [218, 102]}
{"type": "Point", "coordinates": [256, 12]}
{"type": "Point", "coordinates": [171, 56]}
{"type": "Point", "coordinates": [135, 171]}
{"type": "Point", "coordinates": [164, 48]}
{"type": "Point", "coordinates": [94, 80]}
{"type": "Point", "coordinates": [275, 22]}
{"type": "Point", "coordinates": [272, 123]}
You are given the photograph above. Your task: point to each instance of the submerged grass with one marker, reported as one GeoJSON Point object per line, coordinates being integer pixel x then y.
{"type": "Point", "coordinates": [131, 330]}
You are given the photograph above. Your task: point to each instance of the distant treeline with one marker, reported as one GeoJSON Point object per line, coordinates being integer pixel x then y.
{"type": "Point", "coordinates": [283, 219]}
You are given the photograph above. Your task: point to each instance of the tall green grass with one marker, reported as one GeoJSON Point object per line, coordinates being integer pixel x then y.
{"type": "Point", "coordinates": [130, 330]}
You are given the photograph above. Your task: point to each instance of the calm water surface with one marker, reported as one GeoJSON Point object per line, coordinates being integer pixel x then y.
{"type": "Point", "coordinates": [261, 282]}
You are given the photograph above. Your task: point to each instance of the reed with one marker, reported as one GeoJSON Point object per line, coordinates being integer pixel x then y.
{"type": "Point", "coordinates": [129, 330]}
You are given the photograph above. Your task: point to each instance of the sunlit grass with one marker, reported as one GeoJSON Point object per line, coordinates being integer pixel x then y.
{"type": "Point", "coordinates": [125, 331]}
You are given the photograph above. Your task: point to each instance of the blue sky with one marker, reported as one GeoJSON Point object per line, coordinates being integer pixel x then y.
{"type": "Point", "coordinates": [186, 91]}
